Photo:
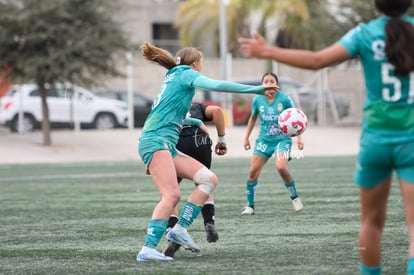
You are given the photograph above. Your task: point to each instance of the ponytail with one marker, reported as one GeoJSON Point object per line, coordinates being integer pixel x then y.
{"type": "Point", "coordinates": [185, 56]}
{"type": "Point", "coordinates": [398, 47]}
{"type": "Point", "coordinates": [399, 35]}
{"type": "Point", "coordinates": [158, 55]}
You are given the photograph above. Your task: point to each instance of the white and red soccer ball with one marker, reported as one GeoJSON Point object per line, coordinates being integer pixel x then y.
{"type": "Point", "coordinates": [292, 122]}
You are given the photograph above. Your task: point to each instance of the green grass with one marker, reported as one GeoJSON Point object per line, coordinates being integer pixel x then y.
{"type": "Point", "coordinates": [91, 218]}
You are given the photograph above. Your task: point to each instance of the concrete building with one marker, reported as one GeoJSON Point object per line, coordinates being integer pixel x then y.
{"type": "Point", "coordinates": [150, 20]}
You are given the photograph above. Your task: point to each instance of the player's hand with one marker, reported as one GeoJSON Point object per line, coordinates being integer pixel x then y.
{"type": "Point", "coordinates": [271, 91]}
{"type": "Point", "coordinates": [204, 128]}
{"type": "Point", "coordinates": [221, 148]}
{"type": "Point", "coordinates": [300, 144]}
{"type": "Point", "coordinates": [246, 145]}
{"type": "Point", "coordinates": [253, 47]}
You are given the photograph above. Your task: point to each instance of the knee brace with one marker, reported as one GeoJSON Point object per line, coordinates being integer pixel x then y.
{"type": "Point", "coordinates": [203, 179]}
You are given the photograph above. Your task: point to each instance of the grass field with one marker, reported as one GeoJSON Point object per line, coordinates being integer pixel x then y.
{"type": "Point", "coordinates": [91, 218]}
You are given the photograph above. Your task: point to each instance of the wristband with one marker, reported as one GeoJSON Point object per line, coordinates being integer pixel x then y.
{"type": "Point", "coordinates": [221, 139]}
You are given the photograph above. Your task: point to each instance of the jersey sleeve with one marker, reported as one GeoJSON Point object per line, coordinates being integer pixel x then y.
{"type": "Point", "coordinates": [198, 110]}
{"type": "Point", "coordinates": [188, 76]}
{"type": "Point", "coordinates": [192, 121]}
{"type": "Point", "coordinates": [350, 41]}
{"type": "Point", "coordinates": [290, 102]}
{"type": "Point", "coordinates": [203, 82]}
{"type": "Point", "coordinates": [203, 108]}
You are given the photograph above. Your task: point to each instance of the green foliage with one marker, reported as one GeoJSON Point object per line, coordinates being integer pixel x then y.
{"type": "Point", "coordinates": [328, 21]}
{"type": "Point", "coordinates": [59, 40]}
{"type": "Point", "coordinates": [353, 12]}
{"type": "Point", "coordinates": [307, 24]}
{"type": "Point", "coordinates": [198, 18]}
{"type": "Point", "coordinates": [53, 41]}
{"type": "Point", "coordinates": [91, 218]}
{"type": "Point", "coordinates": [320, 30]}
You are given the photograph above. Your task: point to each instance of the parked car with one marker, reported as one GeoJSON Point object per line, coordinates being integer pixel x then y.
{"type": "Point", "coordinates": [142, 104]}
{"type": "Point", "coordinates": [92, 111]}
{"type": "Point", "coordinates": [303, 96]}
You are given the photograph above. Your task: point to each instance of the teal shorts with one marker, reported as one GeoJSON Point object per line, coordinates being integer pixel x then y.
{"type": "Point", "coordinates": [376, 162]}
{"type": "Point", "coordinates": [148, 146]}
{"type": "Point", "coordinates": [266, 149]}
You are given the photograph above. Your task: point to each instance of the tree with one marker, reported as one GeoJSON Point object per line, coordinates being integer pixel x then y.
{"type": "Point", "coordinates": [53, 41]}
{"type": "Point", "coordinates": [295, 34]}
{"type": "Point", "coordinates": [198, 18]}
{"type": "Point", "coordinates": [307, 24]}
{"type": "Point", "coordinates": [328, 21]}
{"type": "Point", "coordinates": [352, 12]}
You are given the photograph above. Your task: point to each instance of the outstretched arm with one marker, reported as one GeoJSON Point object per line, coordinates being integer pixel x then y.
{"type": "Point", "coordinates": [205, 83]}
{"type": "Point", "coordinates": [257, 47]}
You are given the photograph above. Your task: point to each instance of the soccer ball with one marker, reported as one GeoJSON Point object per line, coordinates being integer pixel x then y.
{"type": "Point", "coordinates": [292, 122]}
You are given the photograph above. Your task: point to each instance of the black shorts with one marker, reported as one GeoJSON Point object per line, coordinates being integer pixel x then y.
{"type": "Point", "coordinates": [198, 148]}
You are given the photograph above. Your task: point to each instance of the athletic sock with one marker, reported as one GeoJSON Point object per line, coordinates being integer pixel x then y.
{"type": "Point", "coordinates": [291, 187]}
{"type": "Point", "coordinates": [251, 187]}
{"type": "Point", "coordinates": [365, 270]}
{"type": "Point", "coordinates": [208, 212]}
{"type": "Point", "coordinates": [410, 266]}
{"type": "Point", "coordinates": [188, 214]}
{"type": "Point", "coordinates": [155, 231]}
{"type": "Point", "coordinates": [172, 220]}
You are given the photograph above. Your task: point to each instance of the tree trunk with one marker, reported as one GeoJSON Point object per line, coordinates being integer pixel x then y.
{"type": "Point", "coordinates": [47, 140]}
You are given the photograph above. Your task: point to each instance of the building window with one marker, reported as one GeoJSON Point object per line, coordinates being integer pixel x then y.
{"type": "Point", "coordinates": [165, 36]}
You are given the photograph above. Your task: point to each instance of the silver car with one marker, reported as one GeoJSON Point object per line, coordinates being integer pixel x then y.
{"type": "Point", "coordinates": [64, 110]}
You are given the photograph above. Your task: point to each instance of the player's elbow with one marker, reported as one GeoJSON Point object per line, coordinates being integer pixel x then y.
{"type": "Point", "coordinates": [217, 112]}
{"type": "Point", "coordinates": [327, 57]}
{"type": "Point", "coordinates": [316, 63]}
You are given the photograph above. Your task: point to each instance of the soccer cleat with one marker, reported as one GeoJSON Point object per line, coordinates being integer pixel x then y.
{"type": "Point", "coordinates": [297, 204]}
{"type": "Point", "coordinates": [171, 248]}
{"type": "Point", "coordinates": [248, 211]}
{"type": "Point", "coordinates": [151, 254]}
{"type": "Point", "coordinates": [211, 233]}
{"type": "Point", "coordinates": [179, 235]}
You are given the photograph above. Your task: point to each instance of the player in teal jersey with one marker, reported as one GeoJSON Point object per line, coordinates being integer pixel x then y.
{"type": "Point", "coordinates": [271, 141]}
{"type": "Point", "coordinates": [157, 145]}
{"type": "Point", "coordinates": [384, 47]}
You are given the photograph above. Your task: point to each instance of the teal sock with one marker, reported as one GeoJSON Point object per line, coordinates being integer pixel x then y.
{"type": "Point", "coordinates": [188, 214]}
{"type": "Point", "coordinates": [365, 270]}
{"type": "Point", "coordinates": [155, 231]}
{"type": "Point", "coordinates": [251, 187]}
{"type": "Point", "coordinates": [291, 187]}
{"type": "Point", "coordinates": [410, 266]}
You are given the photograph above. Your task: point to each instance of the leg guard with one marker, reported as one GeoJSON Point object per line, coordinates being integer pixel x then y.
{"type": "Point", "coordinates": [203, 179]}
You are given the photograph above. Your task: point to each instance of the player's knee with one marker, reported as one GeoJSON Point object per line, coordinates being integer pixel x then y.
{"type": "Point", "coordinates": [285, 175]}
{"type": "Point", "coordinates": [173, 196]}
{"type": "Point", "coordinates": [253, 174]}
{"type": "Point", "coordinates": [205, 180]}
{"type": "Point", "coordinates": [282, 168]}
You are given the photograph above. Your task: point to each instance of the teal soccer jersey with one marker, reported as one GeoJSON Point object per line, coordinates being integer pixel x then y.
{"type": "Point", "coordinates": [388, 110]}
{"type": "Point", "coordinates": [271, 139]}
{"type": "Point", "coordinates": [171, 104]}
{"type": "Point", "coordinates": [389, 107]}
{"type": "Point", "coordinates": [269, 114]}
